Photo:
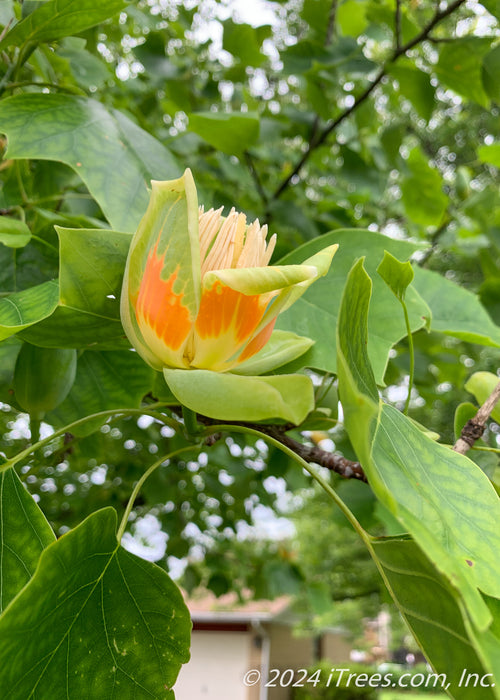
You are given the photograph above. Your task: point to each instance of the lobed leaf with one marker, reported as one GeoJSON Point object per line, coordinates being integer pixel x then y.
{"type": "Point", "coordinates": [92, 619]}
{"type": "Point", "coordinates": [24, 534]}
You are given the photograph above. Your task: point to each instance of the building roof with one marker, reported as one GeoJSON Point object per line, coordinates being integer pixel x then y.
{"type": "Point", "coordinates": [204, 606]}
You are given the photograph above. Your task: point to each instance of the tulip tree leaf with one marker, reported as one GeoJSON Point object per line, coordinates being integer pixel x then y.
{"type": "Point", "coordinates": [455, 311]}
{"type": "Point", "coordinates": [99, 386]}
{"type": "Point", "coordinates": [435, 614]}
{"type": "Point", "coordinates": [481, 385]}
{"type": "Point", "coordinates": [416, 86]}
{"type": "Point", "coordinates": [441, 498]}
{"type": "Point", "coordinates": [24, 534]}
{"type": "Point", "coordinates": [86, 136]}
{"type": "Point", "coordinates": [396, 274]}
{"type": "Point", "coordinates": [59, 18]}
{"type": "Point", "coordinates": [14, 233]}
{"type": "Point", "coordinates": [315, 314]}
{"type": "Point", "coordinates": [95, 607]}
{"type": "Point", "coordinates": [22, 309]}
{"type": "Point", "coordinates": [230, 133]}
{"type": "Point", "coordinates": [460, 67]}
{"type": "Point", "coordinates": [490, 154]}
{"type": "Point", "coordinates": [231, 397]}
{"type": "Point", "coordinates": [91, 269]}
{"type": "Point", "coordinates": [423, 183]}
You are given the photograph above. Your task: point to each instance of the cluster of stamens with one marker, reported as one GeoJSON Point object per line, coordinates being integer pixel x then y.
{"type": "Point", "coordinates": [226, 242]}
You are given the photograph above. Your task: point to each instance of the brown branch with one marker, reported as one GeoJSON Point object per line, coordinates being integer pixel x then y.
{"type": "Point", "coordinates": [474, 428]}
{"type": "Point", "coordinates": [256, 178]}
{"type": "Point", "coordinates": [315, 142]}
{"type": "Point", "coordinates": [397, 23]}
{"type": "Point", "coordinates": [332, 17]}
{"type": "Point", "coordinates": [310, 453]}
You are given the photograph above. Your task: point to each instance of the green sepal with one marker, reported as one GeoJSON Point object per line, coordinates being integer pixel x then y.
{"type": "Point", "coordinates": [288, 397]}
{"type": "Point", "coordinates": [281, 348]}
{"type": "Point", "coordinates": [170, 222]}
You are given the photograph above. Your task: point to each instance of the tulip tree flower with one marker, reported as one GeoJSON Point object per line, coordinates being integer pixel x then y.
{"type": "Point", "coordinates": [199, 297]}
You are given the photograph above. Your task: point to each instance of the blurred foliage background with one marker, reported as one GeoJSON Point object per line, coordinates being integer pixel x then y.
{"type": "Point", "coordinates": [311, 115]}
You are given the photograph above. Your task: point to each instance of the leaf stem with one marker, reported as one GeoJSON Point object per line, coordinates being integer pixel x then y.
{"type": "Point", "coordinates": [138, 486]}
{"type": "Point", "coordinates": [190, 422]}
{"type": "Point", "coordinates": [411, 350]}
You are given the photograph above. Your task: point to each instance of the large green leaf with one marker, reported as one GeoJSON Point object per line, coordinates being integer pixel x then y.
{"type": "Point", "coordinates": [93, 608]}
{"type": "Point", "coordinates": [244, 41]}
{"type": "Point", "coordinates": [232, 397]}
{"type": "Point", "coordinates": [460, 67]}
{"type": "Point", "coordinates": [455, 310]}
{"type": "Point", "coordinates": [24, 534]}
{"type": "Point", "coordinates": [416, 86]}
{"type": "Point", "coordinates": [423, 197]}
{"type": "Point", "coordinates": [113, 156]}
{"type": "Point", "coordinates": [436, 616]}
{"type": "Point", "coordinates": [315, 314]}
{"type": "Point", "coordinates": [22, 309]}
{"type": "Point", "coordinates": [104, 381]}
{"type": "Point", "coordinates": [230, 133]}
{"type": "Point", "coordinates": [91, 269]}
{"type": "Point", "coordinates": [442, 498]}
{"type": "Point", "coordinates": [58, 18]}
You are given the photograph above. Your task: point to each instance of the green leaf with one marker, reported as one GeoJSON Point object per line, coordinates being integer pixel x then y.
{"type": "Point", "coordinates": [442, 498]}
{"type": "Point", "coordinates": [22, 309]}
{"type": "Point", "coordinates": [396, 275]}
{"type": "Point", "coordinates": [58, 18]}
{"type": "Point", "coordinates": [104, 381]}
{"type": "Point", "coordinates": [231, 397]}
{"type": "Point", "coordinates": [9, 350]}
{"type": "Point", "coordinates": [244, 42]}
{"type": "Point", "coordinates": [445, 501]}
{"type": "Point", "coordinates": [491, 69]}
{"type": "Point", "coordinates": [455, 311]}
{"type": "Point", "coordinates": [91, 269]}
{"type": "Point", "coordinates": [14, 233]}
{"type": "Point", "coordinates": [93, 606]}
{"type": "Point", "coordinates": [423, 197]}
{"type": "Point", "coordinates": [435, 614]}
{"type": "Point", "coordinates": [281, 348]}
{"type": "Point", "coordinates": [230, 133]}
{"type": "Point", "coordinates": [351, 16]}
{"type": "Point", "coordinates": [24, 534]}
{"type": "Point", "coordinates": [460, 67]}
{"type": "Point", "coordinates": [315, 314]}
{"type": "Point", "coordinates": [86, 136]}
{"type": "Point", "coordinates": [481, 385]}
{"type": "Point", "coordinates": [490, 154]}
{"type": "Point", "coordinates": [416, 86]}
{"type": "Point", "coordinates": [357, 389]}
{"type": "Point", "coordinates": [88, 70]}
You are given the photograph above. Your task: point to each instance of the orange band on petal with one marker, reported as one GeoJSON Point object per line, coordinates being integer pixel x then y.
{"type": "Point", "coordinates": [258, 342]}
{"type": "Point", "coordinates": [223, 308]}
{"type": "Point", "coordinates": [159, 307]}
